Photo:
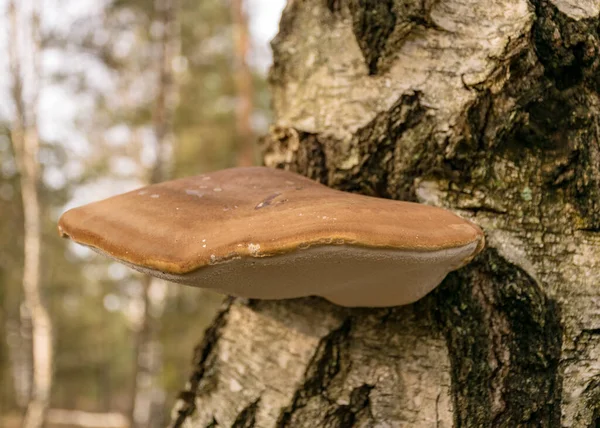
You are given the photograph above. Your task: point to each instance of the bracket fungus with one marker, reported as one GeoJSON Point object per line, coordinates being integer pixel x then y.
{"type": "Point", "coordinates": [271, 234]}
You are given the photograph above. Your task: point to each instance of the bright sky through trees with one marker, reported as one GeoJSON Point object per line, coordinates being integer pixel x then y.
{"type": "Point", "coordinates": [58, 105]}
{"type": "Point", "coordinates": [60, 15]}
{"type": "Point", "coordinates": [96, 117]}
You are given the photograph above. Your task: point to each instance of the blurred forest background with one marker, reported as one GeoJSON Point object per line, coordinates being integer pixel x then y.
{"type": "Point", "coordinates": [99, 97]}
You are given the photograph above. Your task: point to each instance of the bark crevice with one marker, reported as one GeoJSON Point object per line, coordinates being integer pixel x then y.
{"type": "Point", "coordinates": [323, 367]}
{"type": "Point", "coordinates": [497, 337]}
{"type": "Point", "coordinates": [373, 22]}
{"type": "Point", "coordinates": [247, 417]}
{"type": "Point", "coordinates": [347, 415]}
{"type": "Point", "coordinates": [202, 366]}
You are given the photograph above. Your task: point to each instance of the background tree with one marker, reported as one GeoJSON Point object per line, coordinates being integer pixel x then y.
{"type": "Point", "coordinates": [244, 86]}
{"type": "Point", "coordinates": [147, 398]}
{"type": "Point", "coordinates": [490, 109]}
{"type": "Point", "coordinates": [26, 145]}
{"type": "Point", "coordinates": [98, 121]}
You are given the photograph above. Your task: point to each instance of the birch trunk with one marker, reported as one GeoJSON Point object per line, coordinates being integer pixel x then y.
{"type": "Point", "coordinates": [490, 109]}
{"type": "Point", "coordinates": [25, 138]}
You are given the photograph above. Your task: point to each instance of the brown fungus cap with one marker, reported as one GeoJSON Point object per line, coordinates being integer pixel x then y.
{"type": "Point", "coordinates": [266, 233]}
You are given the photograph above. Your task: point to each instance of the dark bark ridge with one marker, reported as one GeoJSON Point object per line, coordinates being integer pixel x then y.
{"type": "Point", "coordinates": [202, 366]}
{"type": "Point", "coordinates": [373, 22]}
{"type": "Point", "coordinates": [324, 366]}
{"type": "Point", "coordinates": [381, 27]}
{"type": "Point", "coordinates": [247, 417]}
{"type": "Point", "coordinates": [570, 53]}
{"type": "Point", "coordinates": [501, 329]}
{"type": "Point", "coordinates": [377, 142]}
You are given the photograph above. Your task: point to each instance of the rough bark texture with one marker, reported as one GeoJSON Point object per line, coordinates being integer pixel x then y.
{"type": "Point", "coordinates": [490, 109]}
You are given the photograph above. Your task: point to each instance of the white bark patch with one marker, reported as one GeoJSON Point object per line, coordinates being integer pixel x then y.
{"type": "Point", "coordinates": [339, 97]}
{"type": "Point", "coordinates": [234, 386]}
{"type": "Point", "coordinates": [429, 193]}
{"type": "Point", "coordinates": [578, 9]}
{"type": "Point", "coordinates": [511, 248]}
{"type": "Point", "coordinates": [250, 351]}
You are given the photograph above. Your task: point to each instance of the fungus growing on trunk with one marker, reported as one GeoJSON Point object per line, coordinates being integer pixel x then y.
{"type": "Point", "coordinates": [271, 234]}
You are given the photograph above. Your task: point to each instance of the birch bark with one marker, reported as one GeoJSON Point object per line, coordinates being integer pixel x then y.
{"type": "Point", "coordinates": [490, 109]}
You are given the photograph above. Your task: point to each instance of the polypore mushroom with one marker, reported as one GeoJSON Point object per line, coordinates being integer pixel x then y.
{"type": "Point", "coordinates": [271, 234]}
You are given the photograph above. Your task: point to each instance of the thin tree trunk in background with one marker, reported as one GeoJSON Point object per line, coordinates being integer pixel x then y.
{"type": "Point", "coordinates": [490, 109]}
{"type": "Point", "coordinates": [19, 355]}
{"type": "Point", "coordinates": [244, 87]}
{"type": "Point", "coordinates": [17, 333]}
{"type": "Point", "coordinates": [26, 147]}
{"type": "Point", "coordinates": [166, 90]}
{"type": "Point", "coordinates": [148, 398]}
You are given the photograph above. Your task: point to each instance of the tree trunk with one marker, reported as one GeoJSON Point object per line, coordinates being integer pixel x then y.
{"type": "Point", "coordinates": [490, 109]}
{"type": "Point", "coordinates": [243, 83]}
{"type": "Point", "coordinates": [26, 142]}
{"type": "Point", "coordinates": [147, 398]}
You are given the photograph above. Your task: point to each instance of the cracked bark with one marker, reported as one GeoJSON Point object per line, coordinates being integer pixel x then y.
{"type": "Point", "coordinates": [490, 109]}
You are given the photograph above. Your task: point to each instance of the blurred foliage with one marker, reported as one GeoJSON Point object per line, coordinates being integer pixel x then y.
{"type": "Point", "coordinates": [88, 297]}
